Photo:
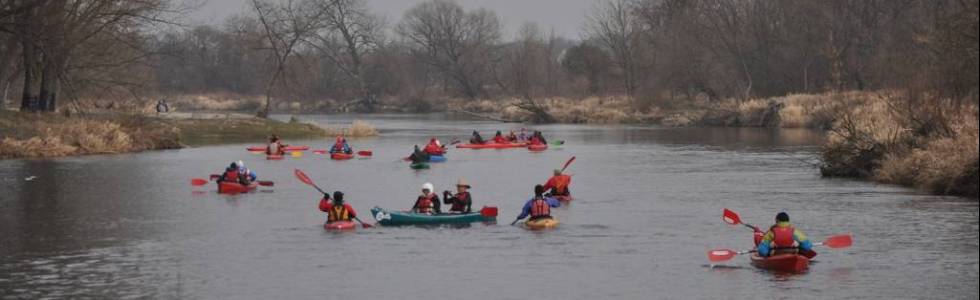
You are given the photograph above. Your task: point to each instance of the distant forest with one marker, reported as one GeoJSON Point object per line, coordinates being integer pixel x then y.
{"type": "Point", "coordinates": [54, 52]}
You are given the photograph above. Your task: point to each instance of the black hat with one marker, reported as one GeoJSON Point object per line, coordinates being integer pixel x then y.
{"type": "Point", "coordinates": [538, 190]}
{"type": "Point", "coordinates": [338, 196]}
{"type": "Point", "coordinates": [782, 217]}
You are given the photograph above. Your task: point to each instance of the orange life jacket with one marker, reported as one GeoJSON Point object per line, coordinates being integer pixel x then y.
{"type": "Point", "coordinates": [338, 213]}
{"type": "Point", "coordinates": [540, 208]}
{"type": "Point", "coordinates": [782, 237]}
{"type": "Point", "coordinates": [560, 184]}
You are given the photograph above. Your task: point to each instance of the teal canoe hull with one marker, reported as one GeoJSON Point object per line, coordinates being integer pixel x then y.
{"type": "Point", "coordinates": [402, 218]}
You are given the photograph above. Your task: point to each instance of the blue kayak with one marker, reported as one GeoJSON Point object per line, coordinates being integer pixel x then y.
{"type": "Point", "coordinates": [437, 158]}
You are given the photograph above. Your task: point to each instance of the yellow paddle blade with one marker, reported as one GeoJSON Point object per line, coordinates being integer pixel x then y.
{"type": "Point", "coordinates": [296, 153]}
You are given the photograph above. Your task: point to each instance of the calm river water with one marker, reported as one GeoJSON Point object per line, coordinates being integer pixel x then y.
{"type": "Point", "coordinates": [648, 205]}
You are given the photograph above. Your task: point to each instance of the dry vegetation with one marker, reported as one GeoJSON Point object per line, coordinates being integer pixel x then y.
{"type": "Point", "coordinates": [30, 135]}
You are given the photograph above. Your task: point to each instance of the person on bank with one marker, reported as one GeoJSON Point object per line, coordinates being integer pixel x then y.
{"type": "Point", "coordinates": [539, 206]}
{"type": "Point", "coordinates": [784, 238]}
{"type": "Point", "coordinates": [428, 202]}
{"type": "Point", "coordinates": [462, 201]}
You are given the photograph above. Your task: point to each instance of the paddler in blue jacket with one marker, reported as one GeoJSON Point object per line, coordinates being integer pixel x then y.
{"type": "Point", "coordinates": [538, 206]}
{"type": "Point", "coordinates": [783, 238]}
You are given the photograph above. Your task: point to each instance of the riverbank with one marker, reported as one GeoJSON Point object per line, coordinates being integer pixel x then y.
{"type": "Point", "coordinates": [28, 135]}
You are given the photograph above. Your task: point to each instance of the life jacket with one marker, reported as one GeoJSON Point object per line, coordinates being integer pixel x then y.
{"type": "Point", "coordinates": [231, 176]}
{"type": "Point", "coordinates": [432, 148]}
{"type": "Point", "coordinates": [338, 213]}
{"type": "Point", "coordinates": [425, 204]}
{"type": "Point", "coordinates": [560, 184]}
{"type": "Point", "coordinates": [499, 139]}
{"type": "Point", "coordinates": [338, 146]}
{"type": "Point", "coordinates": [274, 149]}
{"type": "Point", "coordinates": [535, 141]}
{"type": "Point", "coordinates": [540, 208]}
{"type": "Point", "coordinates": [460, 203]}
{"type": "Point", "coordinates": [782, 236]}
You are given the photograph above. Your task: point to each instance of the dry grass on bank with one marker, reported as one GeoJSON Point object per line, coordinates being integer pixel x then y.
{"type": "Point", "coordinates": [31, 135]}
{"type": "Point", "coordinates": [591, 110]}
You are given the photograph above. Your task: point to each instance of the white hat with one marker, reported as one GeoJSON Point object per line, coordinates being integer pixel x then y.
{"type": "Point", "coordinates": [428, 186]}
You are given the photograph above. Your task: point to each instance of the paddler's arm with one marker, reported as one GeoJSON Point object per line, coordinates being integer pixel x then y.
{"type": "Point", "coordinates": [526, 211]}
{"type": "Point", "coordinates": [802, 240]}
{"type": "Point", "coordinates": [553, 202]}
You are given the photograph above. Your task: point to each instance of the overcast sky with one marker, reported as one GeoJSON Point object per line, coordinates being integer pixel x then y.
{"type": "Point", "coordinates": [564, 16]}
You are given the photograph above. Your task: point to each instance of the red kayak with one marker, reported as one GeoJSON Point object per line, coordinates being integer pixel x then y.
{"type": "Point", "coordinates": [565, 198]}
{"type": "Point", "coordinates": [287, 148]}
{"type": "Point", "coordinates": [341, 156]}
{"type": "Point", "coordinates": [236, 188]}
{"type": "Point", "coordinates": [537, 147]}
{"type": "Point", "coordinates": [492, 146]}
{"type": "Point", "coordinates": [787, 263]}
{"type": "Point", "coordinates": [340, 225]}
{"type": "Point", "coordinates": [274, 157]}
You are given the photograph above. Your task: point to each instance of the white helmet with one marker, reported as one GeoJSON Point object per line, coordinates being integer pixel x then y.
{"type": "Point", "coordinates": [240, 164]}
{"type": "Point", "coordinates": [428, 186]}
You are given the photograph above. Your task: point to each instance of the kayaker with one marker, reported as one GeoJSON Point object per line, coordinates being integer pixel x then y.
{"type": "Point", "coordinates": [535, 141]}
{"type": "Point", "coordinates": [275, 146]}
{"type": "Point", "coordinates": [539, 207]}
{"type": "Point", "coordinates": [419, 156]}
{"type": "Point", "coordinates": [341, 146]}
{"type": "Point", "coordinates": [512, 137]}
{"type": "Point", "coordinates": [540, 137]}
{"type": "Point", "coordinates": [558, 184]}
{"type": "Point", "coordinates": [337, 209]}
{"type": "Point", "coordinates": [244, 172]}
{"type": "Point", "coordinates": [462, 201]}
{"type": "Point", "coordinates": [523, 136]}
{"type": "Point", "coordinates": [476, 139]}
{"type": "Point", "coordinates": [499, 138]}
{"type": "Point", "coordinates": [783, 238]}
{"type": "Point", "coordinates": [231, 175]}
{"type": "Point", "coordinates": [428, 202]}
{"type": "Point", "coordinates": [434, 147]}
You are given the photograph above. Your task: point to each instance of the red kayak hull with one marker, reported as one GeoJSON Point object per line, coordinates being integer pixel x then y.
{"type": "Point", "coordinates": [340, 225]}
{"type": "Point", "coordinates": [235, 188]}
{"type": "Point", "coordinates": [274, 157]}
{"type": "Point", "coordinates": [786, 263]}
{"type": "Point", "coordinates": [491, 146]}
{"type": "Point", "coordinates": [287, 148]}
{"type": "Point", "coordinates": [341, 156]}
{"type": "Point", "coordinates": [537, 147]}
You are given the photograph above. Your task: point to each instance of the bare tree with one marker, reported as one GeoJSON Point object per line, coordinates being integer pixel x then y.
{"type": "Point", "coordinates": [459, 44]}
{"type": "Point", "coordinates": [526, 67]}
{"type": "Point", "coordinates": [614, 25]}
{"type": "Point", "coordinates": [286, 24]}
{"type": "Point", "coordinates": [350, 33]}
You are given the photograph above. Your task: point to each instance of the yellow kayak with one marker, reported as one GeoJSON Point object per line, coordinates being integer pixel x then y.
{"type": "Point", "coordinates": [545, 223]}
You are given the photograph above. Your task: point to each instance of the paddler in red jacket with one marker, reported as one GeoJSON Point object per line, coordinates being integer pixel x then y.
{"type": "Point", "coordinates": [462, 201]}
{"type": "Point", "coordinates": [275, 146]}
{"type": "Point", "coordinates": [499, 138]}
{"type": "Point", "coordinates": [434, 147]}
{"type": "Point", "coordinates": [428, 202]}
{"type": "Point", "coordinates": [558, 184]}
{"type": "Point", "coordinates": [337, 210]}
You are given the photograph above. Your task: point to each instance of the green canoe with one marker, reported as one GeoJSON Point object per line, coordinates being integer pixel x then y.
{"type": "Point", "coordinates": [419, 166]}
{"type": "Point", "coordinates": [399, 218]}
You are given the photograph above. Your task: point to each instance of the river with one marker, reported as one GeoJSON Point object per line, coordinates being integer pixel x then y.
{"type": "Point", "coordinates": [647, 209]}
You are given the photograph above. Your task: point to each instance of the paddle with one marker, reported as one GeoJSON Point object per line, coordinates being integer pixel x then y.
{"type": "Point", "coordinates": [296, 154]}
{"type": "Point", "coordinates": [198, 181]}
{"type": "Point", "coordinates": [515, 222]}
{"type": "Point", "coordinates": [557, 143]}
{"type": "Point", "coordinates": [833, 242]}
{"type": "Point", "coordinates": [569, 162]}
{"type": "Point", "coordinates": [319, 151]}
{"type": "Point", "coordinates": [365, 153]}
{"type": "Point", "coordinates": [732, 218]}
{"type": "Point", "coordinates": [306, 179]}
{"type": "Point", "coordinates": [489, 211]}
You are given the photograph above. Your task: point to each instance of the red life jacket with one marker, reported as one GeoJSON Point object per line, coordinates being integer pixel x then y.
{"type": "Point", "coordinates": [460, 203]}
{"type": "Point", "coordinates": [535, 141]}
{"type": "Point", "coordinates": [559, 183]}
{"type": "Point", "coordinates": [338, 146]}
{"type": "Point", "coordinates": [425, 204]}
{"type": "Point", "coordinates": [231, 176]}
{"type": "Point", "coordinates": [432, 149]}
{"type": "Point", "coordinates": [500, 140]}
{"type": "Point", "coordinates": [782, 237]}
{"type": "Point", "coordinates": [540, 208]}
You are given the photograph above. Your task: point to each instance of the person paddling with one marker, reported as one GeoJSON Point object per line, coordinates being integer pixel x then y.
{"type": "Point", "coordinates": [539, 207]}
{"type": "Point", "coordinates": [512, 137]}
{"type": "Point", "coordinates": [434, 147]}
{"type": "Point", "coordinates": [540, 137]}
{"type": "Point", "coordinates": [337, 210]}
{"type": "Point", "coordinates": [558, 184]}
{"type": "Point", "coordinates": [462, 201]}
{"type": "Point", "coordinates": [418, 156]}
{"type": "Point", "coordinates": [428, 202]}
{"type": "Point", "coordinates": [275, 146]}
{"type": "Point", "coordinates": [230, 174]}
{"type": "Point", "coordinates": [523, 137]}
{"type": "Point", "coordinates": [499, 138]}
{"type": "Point", "coordinates": [244, 172]}
{"type": "Point", "coordinates": [341, 146]}
{"type": "Point", "coordinates": [783, 238]}
{"type": "Point", "coordinates": [476, 139]}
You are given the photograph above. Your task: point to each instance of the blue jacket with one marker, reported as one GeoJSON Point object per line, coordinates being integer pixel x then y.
{"type": "Point", "coordinates": [527, 206]}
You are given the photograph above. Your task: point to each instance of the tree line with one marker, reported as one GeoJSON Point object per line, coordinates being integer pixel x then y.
{"type": "Point", "coordinates": [656, 52]}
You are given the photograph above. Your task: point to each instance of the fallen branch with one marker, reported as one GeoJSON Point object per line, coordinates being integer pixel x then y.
{"type": "Point", "coordinates": [482, 116]}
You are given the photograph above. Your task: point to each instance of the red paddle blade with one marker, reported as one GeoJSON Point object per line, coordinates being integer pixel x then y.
{"type": "Point", "coordinates": [319, 151]}
{"type": "Point", "coordinates": [569, 162]}
{"type": "Point", "coordinates": [267, 183]}
{"type": "Point", "coordinates": [839, 241]}
{"type": "Point", "coordinates": [366, 225]}
{"type": "Point", "coordinates": [721, 255]}
{"type": "Point", "coordinates": [731, 217]}
{"type": "Point", "coordinates": [198, 181]}
{"type": "Point", "coordinates": [302, 177]}
{"type": "Point", "coordinates": [365, 153]}
{"type": "Point", "coordinates": [489, 211]}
